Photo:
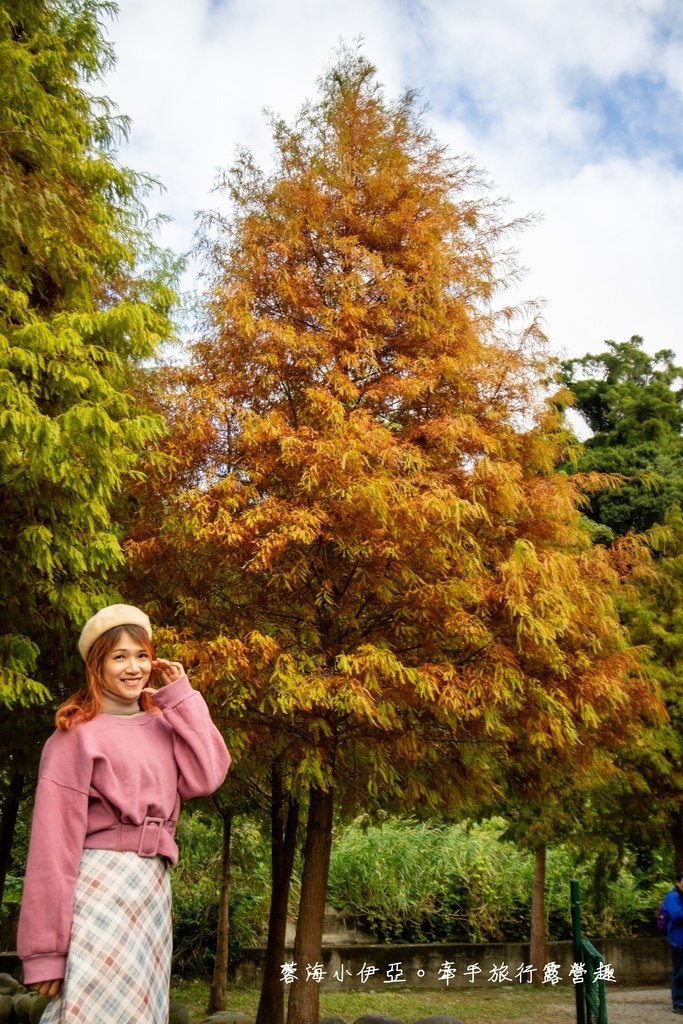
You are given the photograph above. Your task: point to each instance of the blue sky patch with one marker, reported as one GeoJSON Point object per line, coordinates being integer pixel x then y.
{"type": "Point", "coordinates": [636, 116]}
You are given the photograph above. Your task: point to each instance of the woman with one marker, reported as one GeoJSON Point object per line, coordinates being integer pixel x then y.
{"type": "Point", "coordinates": [95, 924]}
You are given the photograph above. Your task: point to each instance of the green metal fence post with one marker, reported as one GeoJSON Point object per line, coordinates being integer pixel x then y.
{"type": "Point", "coordinates": [591, 996]}
{"type": "Point", "coordinates": [576, 936]}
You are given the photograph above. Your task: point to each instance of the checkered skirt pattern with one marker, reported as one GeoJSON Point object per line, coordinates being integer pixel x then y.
{"type": "Point", "coordinates": [119, 962]}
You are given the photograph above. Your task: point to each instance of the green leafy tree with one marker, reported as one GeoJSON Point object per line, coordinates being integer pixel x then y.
{"type": "Point", "coordinates": [84, 300]}
{"type": "Point", "coordinates": [633, 404]}
{"type": "Point", "coordinates": [652, 788]}
{"type": "Point", "coordinates": [77, 317]}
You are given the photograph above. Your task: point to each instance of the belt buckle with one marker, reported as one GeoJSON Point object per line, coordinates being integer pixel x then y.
{"type": "Point", "coordinates": [147, 824]}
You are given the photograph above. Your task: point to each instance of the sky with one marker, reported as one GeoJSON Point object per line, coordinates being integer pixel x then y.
{"type": "Point", "coordinates": [573, 111]}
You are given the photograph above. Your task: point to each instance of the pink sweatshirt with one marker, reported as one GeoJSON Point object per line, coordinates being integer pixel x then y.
{"type": "Point", "coordinates": [97, 784]}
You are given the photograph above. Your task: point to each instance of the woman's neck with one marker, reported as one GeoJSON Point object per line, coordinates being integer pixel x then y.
{"type": "Point", "coordinates": [114, 705]}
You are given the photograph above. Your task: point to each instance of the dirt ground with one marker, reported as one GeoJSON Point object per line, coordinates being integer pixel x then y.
{"type": "Point", "coordinates": [640, 1006]}
{"type": "Point", "coordinates": [627, 1006]}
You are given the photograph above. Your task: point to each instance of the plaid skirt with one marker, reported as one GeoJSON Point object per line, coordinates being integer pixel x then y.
{"type": "Point", "coordinates": [118, 967]}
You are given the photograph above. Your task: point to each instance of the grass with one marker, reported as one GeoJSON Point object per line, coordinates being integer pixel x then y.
{"type": "Point", "coordinates": [523, 1004]}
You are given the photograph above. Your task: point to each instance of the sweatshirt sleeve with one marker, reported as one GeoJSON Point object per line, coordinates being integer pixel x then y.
{"type": "Point", "coordinates": [57, 834]}
{"type": "Point", "coordinates": [200, 752]}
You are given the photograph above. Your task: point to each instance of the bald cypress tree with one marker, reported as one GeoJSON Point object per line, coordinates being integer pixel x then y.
{"type": "Point", "coordinates": [366, 548]}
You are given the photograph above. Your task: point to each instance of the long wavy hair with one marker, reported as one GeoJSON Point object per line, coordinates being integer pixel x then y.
{"type": "Point", "coordinates": [86, 703]}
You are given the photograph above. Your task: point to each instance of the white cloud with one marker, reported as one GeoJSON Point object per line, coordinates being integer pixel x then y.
{"type": "Point", "coordinates": [195, 79]}
{"type": "Point", "coordinates": [607, 255]}
{"type": "Point", "coordinates": [503, 79]}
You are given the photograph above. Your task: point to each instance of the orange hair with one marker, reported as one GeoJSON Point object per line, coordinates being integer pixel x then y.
{"type": "Point", "coordinates": [87, 703]}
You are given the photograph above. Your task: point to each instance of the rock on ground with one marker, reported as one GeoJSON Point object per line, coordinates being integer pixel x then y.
{"type": "Point", "coordinates": [376, 1018]}
{"type": "Point", "coordinates": [178, 1013]}
{"type": "Point", "coordinates": [228, 1017]}
{"type": "Point", "coordinates": [438, 1018]}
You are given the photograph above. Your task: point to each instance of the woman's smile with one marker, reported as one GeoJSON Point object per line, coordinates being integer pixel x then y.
{"type": "Point", "coordinates": [126, 669]}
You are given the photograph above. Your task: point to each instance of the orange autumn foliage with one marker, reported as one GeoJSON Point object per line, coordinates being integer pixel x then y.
{"type": "Point", "coordinates": [364, 547]}
{"type": "Point", "coordinates": [365, 468]}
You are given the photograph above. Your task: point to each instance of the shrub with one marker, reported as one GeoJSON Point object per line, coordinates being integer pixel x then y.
{"type": "Point", "coordinates": [196, 890]}
{"type": "Point", "coordinates": [413, 881]}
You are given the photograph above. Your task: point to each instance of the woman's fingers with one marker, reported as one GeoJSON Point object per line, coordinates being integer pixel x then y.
{"type": "Point", "coordinates": [169, 670]}
{"type": "Point", "coordinates": [48, 988]}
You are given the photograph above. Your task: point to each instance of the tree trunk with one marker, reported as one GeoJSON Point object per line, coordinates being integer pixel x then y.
{"type": "Point", "coordinates": [8, 823]}
{"type": "Point", "coordinates": [304, 996]}
{"type": "Point", "coordinates": [271, 1007]}
{"type": "Point", "coordinates": [538, 947]}
{"type": "Point", "coordinates": [676, 831]}
{"type": "Point", "coordinates": [219, 984]}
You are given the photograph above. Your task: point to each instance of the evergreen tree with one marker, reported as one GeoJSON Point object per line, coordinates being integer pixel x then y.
{"type": "Point", "coordinates": [653, 797]}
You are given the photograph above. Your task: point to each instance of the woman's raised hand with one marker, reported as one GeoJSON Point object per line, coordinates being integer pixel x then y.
{"type": "Point", "coordinates": [168, 670]}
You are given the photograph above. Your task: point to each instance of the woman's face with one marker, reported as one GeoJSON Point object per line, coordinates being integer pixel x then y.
{"type": "Point", "coordinates": [126, 668]}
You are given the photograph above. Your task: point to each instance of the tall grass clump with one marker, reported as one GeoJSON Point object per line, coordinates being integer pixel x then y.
{"type": "Point", "coordinates": [415, 881]}
{"type": "Point", "coordinates": [410, 881]}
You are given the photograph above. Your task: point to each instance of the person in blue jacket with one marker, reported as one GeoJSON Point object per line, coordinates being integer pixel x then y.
{"type": "Point", "coordinates": [672, 908]}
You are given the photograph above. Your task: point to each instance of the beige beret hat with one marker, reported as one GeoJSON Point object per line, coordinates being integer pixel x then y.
{"type": "Point", "coordinates": [108, 618]}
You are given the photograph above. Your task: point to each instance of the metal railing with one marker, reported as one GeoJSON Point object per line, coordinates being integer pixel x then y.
{"type": "Point", "coordinates": [591, 998]}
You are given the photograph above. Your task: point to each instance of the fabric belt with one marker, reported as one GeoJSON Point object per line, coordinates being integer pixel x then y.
{"type": "Point", "coordinates": [141, 839]}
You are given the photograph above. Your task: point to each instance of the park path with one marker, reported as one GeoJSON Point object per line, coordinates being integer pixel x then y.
{"type": "Point", "coordinates": [624, 1006]}
{"type": "Point", "coordinates": [640, 1006]}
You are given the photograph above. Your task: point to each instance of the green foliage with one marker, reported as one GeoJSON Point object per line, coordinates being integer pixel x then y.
{"type": "Point", "coordinates": [22, 831]}
{"type": "Point", "coordinates": [404, 880]}
{"type": "Point", "coordinates": [18, 656]}
{"type": "Point", "coordinates": [196, 890]}
{"type": "Point", "coordinates": [413, 882]}
{"type": "Point", "coordinates": [633, 404]}
{"type": "Point", "coordinates": [625, 395]}
{"type": "Point", "coordinates": [14, 885]}
{"type": "Point", "coordinates": [654, 617]}
{"type": "Point", "coordinates": [84, 299]}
